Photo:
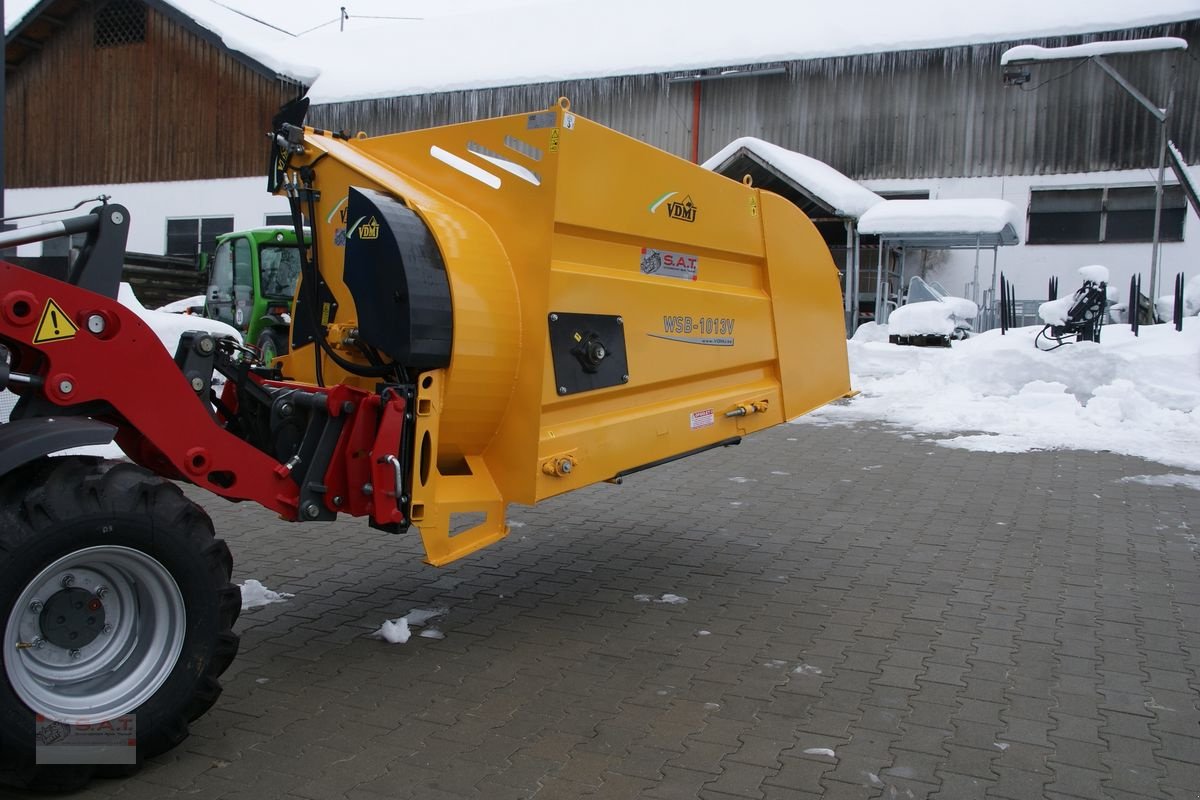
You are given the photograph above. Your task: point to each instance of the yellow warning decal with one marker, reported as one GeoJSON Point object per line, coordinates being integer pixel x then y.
{"type": "Point", "coordinates": [55, 325]}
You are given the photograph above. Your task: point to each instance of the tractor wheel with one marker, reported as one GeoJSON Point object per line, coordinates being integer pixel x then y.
{"type": "Point", "coordinates": [272, 344]}
{"type": "Point", "coordinates": [114, 600]}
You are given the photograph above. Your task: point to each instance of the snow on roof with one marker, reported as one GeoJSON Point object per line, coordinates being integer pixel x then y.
{"type": "Point", "coordinates": [846, 197]}
{"type": "Point", "coordinates": [274, 49]}
{"type": "Point", "coordinates": [579, 40]}
{"type": "Point", "coordinates": [512, 42]}
{"type": "Point", "coordinates": [1032, 52]}
{"type": "Point", "coordinates": [996, 220]}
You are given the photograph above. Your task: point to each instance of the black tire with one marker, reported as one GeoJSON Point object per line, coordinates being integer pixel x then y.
{"type": "Point", "coordinates": [55, 507]}
{"type": "Point", "coordinates": [272, 344]}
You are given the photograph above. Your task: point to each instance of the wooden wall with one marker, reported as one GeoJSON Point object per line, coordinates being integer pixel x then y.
{"type": "Point", "coordinates": [175, 107]}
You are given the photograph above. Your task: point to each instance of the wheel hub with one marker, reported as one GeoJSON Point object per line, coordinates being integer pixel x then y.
{"type": "Point", "coordinates": [72, 618]}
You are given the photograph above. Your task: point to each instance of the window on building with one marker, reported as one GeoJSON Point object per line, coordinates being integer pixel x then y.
{"type": "Point", "coordinates": [279, 219]}
{"type": "Point", "coordinates": [188, 237]}
{"type": "Point", "coordinates": [120, 22]}
{"type": "Point", "coordinates": [1112, 214]}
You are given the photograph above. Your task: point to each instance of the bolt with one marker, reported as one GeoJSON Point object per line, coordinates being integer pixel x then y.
{"type": "Point", "coordinates": [562, 390]}
{"type": "Point", "coordinates": [565, 466]}
{"type": "Point", "coordinates": [205, 344]}
{"type": "Point", "coordinates": [624, 379]}
{"type": "Point", "coordinates": [66, 387]}
{"type": "Point", "coordinates": [197, 384]}
{"type": "Point", "coordinates": [101, 591]}
{"type": "Point", "coordinates": [368, 489]}
{"type": "Point", "coordinates": [337, 500]}
{"type": "Point", "coordinates": [347, 407]}
{"type": "Point", "coordinates": [403, 499]}
{"type": "Point", "coordinates": [95, 324]}
{"type": "Point", "coordinates": [117, 217]}
{"type": "Point", "coordinates": [554, 317]}
{"type": "Point", "coordinates": [75, 654]}
{"type": "Point", "coordinates": [311, 510]}
{"type": "Point", "coordinates": [285, 410]}
{"type": "Point", "coordinates": [620, 320]}
{"type": "Point", "coordinates": [107, 628]}
{"type": "Point", "coordinates": [68, 581]}
{"type": "Point", "coordinates": [36, 607]}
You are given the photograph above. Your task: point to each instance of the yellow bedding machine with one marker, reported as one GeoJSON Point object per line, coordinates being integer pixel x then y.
{"type": "Point", "coordinates": [573, 305]}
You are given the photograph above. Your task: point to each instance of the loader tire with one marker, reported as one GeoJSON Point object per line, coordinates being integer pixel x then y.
{"type": "Point", "coordinates": [271, 345]}
{"type": "Point", "coordinates": [114, 585]}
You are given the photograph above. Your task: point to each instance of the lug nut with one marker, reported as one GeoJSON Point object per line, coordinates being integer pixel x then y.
{"type": "Point", "coordinates": [101, 591]}
{"type": "Point", "coordinates": [107, 628]}
{"type": "Point", "coordinates": [75, 654]}
{"type": "Point", "coordinates": [68, 581]}
{"type": "Point", "coordinates": [36, 607]}
{"type": "Point", "coordinates": [311, 511]}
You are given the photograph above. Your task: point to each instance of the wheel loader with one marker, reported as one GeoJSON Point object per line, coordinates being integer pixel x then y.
{"type": "Point", "coordinates": [488, 313]}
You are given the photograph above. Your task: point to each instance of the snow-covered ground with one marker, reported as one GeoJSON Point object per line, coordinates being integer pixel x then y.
{"type": "Point", "coordinates": [1137, 396]}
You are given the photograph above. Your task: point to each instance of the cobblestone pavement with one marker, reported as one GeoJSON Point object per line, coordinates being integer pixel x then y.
{"type": "Point", "coordinates": [867, 615]}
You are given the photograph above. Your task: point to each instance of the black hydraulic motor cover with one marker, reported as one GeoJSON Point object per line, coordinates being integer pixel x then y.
{"type": "Point", "coordinates": [395, 272]}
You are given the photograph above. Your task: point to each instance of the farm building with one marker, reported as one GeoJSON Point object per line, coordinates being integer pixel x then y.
{"type": "Point", "coordinates": [915, 105]}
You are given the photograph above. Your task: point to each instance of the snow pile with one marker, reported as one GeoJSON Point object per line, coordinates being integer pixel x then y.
{"type": "Point", "coordinates": [399, 630]}
{"type": "Point", "coordinates": [847, 197]}
{"type": "Point", "coordinates": [1136, 396]}
{"type": "Point", "coordinates": [169, 327]}
{"type": "Point", "coordinates": [185, 306]}
{"type": "Point", "coordinates": [1054, 312]}
{"type": "Point", "coordinates": [255, 595]}
{"type": "Point", "coordinates": [668, 599]}
{"type": "Point", "coordinates": [941, 317]}
{"type": "Point", "coordinates": [1172, 479]}
{"type": "Point", "coordinates": [1032, 52]}
{"type": "Point", "coordinates": [1094, 273]}
{"type": "Point", "coordinates": [1165, 305]}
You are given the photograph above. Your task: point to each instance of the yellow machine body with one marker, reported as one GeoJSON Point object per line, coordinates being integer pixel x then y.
{"type": "Point", "coordinates": [721, 299]}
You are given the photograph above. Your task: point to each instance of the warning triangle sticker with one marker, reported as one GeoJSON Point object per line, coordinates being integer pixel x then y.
{"type": "Point", "coordinates": [55, 325]}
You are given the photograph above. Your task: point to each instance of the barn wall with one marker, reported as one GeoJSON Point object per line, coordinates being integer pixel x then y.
{"type": "Point", "coordinates": [174, 107]}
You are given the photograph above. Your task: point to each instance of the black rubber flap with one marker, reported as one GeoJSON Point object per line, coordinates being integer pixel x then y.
{"type": "Point", "coordinates": [396, 274]}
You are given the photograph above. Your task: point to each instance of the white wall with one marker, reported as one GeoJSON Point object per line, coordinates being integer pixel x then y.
{"type": "Point", "coordinates": [1029, 266]}
{"type": "Point", "coordinates": [150, 204]}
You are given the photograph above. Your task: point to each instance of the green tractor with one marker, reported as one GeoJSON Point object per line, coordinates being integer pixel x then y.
{"type": "Point", "coordinates": [251, 282]}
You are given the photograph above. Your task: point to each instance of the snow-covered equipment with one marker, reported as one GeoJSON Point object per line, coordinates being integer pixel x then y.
{"type": "Point", "coordinates": [1080, 316]}
{"type": "Point", "coordinates": [930, 317]}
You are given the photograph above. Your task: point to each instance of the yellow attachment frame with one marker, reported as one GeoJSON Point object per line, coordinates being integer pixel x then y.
{"type": "Point", "coordinates": [725, 298]}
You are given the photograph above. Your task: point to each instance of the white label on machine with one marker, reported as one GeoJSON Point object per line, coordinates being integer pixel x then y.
{"type": "Point", "coordinates": [702, 419]}
{"type": "Point", "coordinates": [666, 264]}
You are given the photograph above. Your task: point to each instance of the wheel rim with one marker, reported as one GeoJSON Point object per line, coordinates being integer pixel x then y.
{"type": "Point", "coordinates": [120, 663]}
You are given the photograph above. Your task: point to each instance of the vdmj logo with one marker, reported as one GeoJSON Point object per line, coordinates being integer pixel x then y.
{"type": "Point", "coordinates": [684, 210]}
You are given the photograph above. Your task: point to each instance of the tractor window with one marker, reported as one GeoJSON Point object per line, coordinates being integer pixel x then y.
{"type": "Point", "coordinates": [280, 269]}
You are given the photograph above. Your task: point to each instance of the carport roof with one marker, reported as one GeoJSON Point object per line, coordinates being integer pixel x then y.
{"type": "Point", "coordinates": [944, 224]}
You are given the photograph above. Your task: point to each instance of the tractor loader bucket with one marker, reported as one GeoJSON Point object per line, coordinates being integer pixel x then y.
{"type": "Point", "coordinates": [574, 305]}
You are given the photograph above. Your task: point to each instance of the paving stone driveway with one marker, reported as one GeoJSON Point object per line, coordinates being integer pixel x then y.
{"type": "Point", "coordinates": [867, 615]}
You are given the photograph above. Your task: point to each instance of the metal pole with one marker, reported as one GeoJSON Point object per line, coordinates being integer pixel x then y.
{"type": "Point", "coordinates": [1156, 245]}
{"type": "Point", "coordinates": [3, 108]}
{"type": "Point", "coordinates": [879, 283]}
{"type": "Point", "coordinates": [848, 288]}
